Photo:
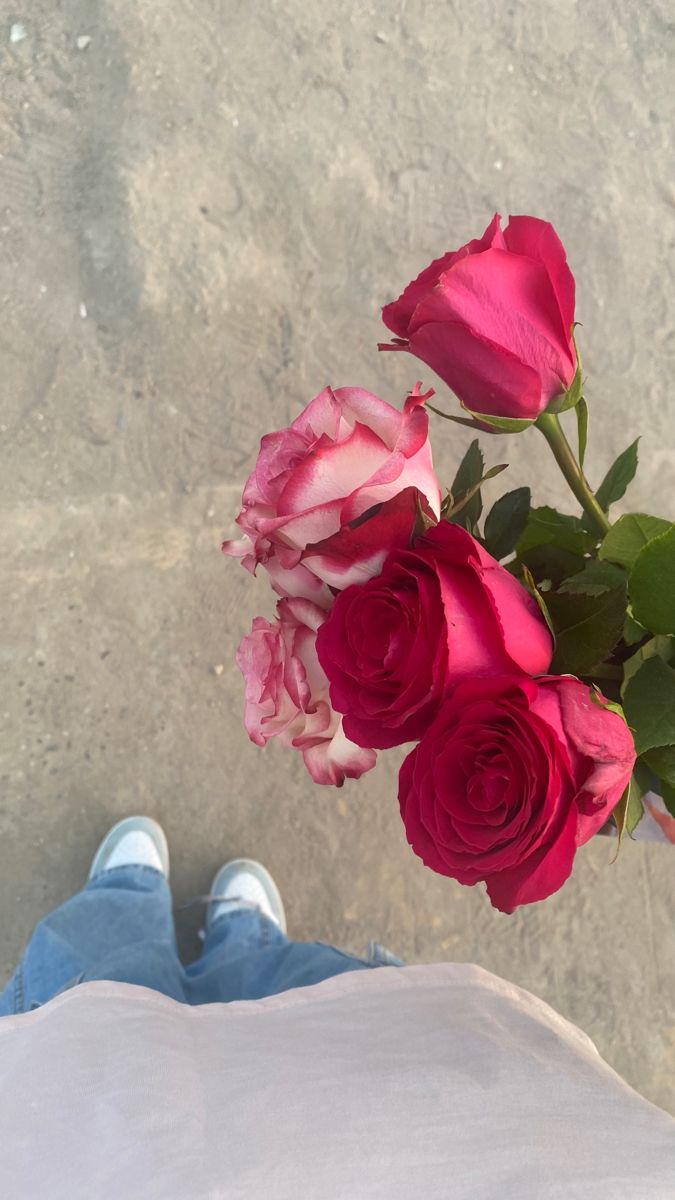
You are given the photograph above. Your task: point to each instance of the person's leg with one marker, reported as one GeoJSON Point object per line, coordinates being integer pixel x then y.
{"type": "Point", "coordinates": [120, 927]}
{"type": "Point", "coordinates": [246, 953]}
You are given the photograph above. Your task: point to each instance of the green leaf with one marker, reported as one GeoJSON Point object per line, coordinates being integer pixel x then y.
{"type": "Point", "coordinates": [633, 631]}
{"type": "Point", "coordinates": [595, 579]}
{"type": "Point", "coordinates": [551, 565]}
{"type": "Point", "coordinates": [661, 760]}
{"type": "Point", "coordinates": [629, 535]}
{"type": "Point", "coordinates": [601, 701]}
{"type": "Point", "coordinates": [652, 584]}
{"type": "Point", "coordinates": [662, 646]}
{"type": "Point", "coordinates": [469, 473]}
{"type": "Point", "coordinates": [571, 397]}
{"type": "Point", "coordinates": [620, 474]}
{"type": "Point", "coordinates": [546, 527]}
{"type": "Point", "coordinates": [463, 504]}
{"type": "Point", "coordinates": [649, 704]}
{"type": "Point", "coordinates": [534, 590]}
{"type": "Point", "coordinates": [453, 506]}
{"type": "Point", "coordinates": [493, 471]}
{"type": "Point", "coordinates": [629, 811]}
{"type": "Point", "coordinates": [644, 776]}
{"type": "Point", "coordinates": [587, 628]}
{"type": "Point", "coordinates": [506, 521]}
{"type": "Point", "coordinates": [451, 417]}
{"type": "Point", "coordinates": [503, 424]}
{"type": "Point", "coordinates": [582, 429]}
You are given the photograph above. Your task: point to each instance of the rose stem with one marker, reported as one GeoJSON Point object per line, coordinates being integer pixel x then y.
{"type": "Point", "coordinates": [549, 424]}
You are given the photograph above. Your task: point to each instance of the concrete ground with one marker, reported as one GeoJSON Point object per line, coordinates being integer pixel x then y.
{"type": "Point", "coordinates": [202, 207]}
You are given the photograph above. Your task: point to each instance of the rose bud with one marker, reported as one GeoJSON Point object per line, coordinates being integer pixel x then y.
{"type": "Point", "coordinates": [495, 320]}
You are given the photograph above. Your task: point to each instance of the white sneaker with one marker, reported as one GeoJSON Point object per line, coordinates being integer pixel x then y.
{"type": "Point", "coordinates": [244, 883]}
{"type": "Point", "coordinates": [134, 841]}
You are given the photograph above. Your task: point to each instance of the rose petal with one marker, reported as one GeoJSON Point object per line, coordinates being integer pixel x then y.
{"type": "Point", "coordinates": [397, 315]}
{"type": "Point", "coordinates": [333, 762]}
{"type": "Point", "coordinates": [298, 581]}
{"type": "Point", "coordinates": [541, 874]}
{"type": "Point", "coordinates": [320, 417]}
{"type": "Point", "coordinates": [485, 376]}
{"type": "Point", "coordinates": [606, 745]}
{"type": "Point", "coordinates": [333, 472]}
{"type": "Point", "coordinates": [364, 408]}
{"type": "Point", "coordinates": [527, 638]}
{"type": "Point", "coordinates": [538, 240]}
{"type": "Point", "coordinates": [357, 551]}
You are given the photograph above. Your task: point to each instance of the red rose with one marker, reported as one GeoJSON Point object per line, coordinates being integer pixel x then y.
{"type": "Point", "coordinates": [510, 778]}
{"type": "Point", "coordinates": [444, 610]}
{"type": "Point", "coordinates": [494, 319]}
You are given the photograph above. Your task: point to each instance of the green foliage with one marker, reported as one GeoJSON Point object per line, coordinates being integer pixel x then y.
{"type": "Point", "coordinates": [595, 579]}
{"type": "Point", "coordinates": [629, 535]}
{"type": "Point", "coordinates": [571, 397]}
{"type": "Point", "coordinates": [585, 598]}
{"type": "Point", "coordinates": [587, 626]}
{"type": "Point", "coordinates": [661, 760]}
{"type": "Point", "coordinates": [469, 474]}
{"type": "Point", "coordinates": [550, 565]}
{"type": "Point", "coordinates": [600, 596]}
{"type": "Point", "coordinates": [463, 504]}
{"type": "Point", "coordinates": [506, 521]}
{"type": "Point", "coordinates": [633, 631]}
{"type": "Point", "coordinates": [649, 704]}
{"type": "Point", "coordinates": [532, 587]}
{"type": "Point", "coordinates": [582, 429]}
{"type": "Point", "coordinates": [651, 584]}
{"type": "Point", "coordinates": [620, 474]}
{"type": "Point", "coordinates": [662, 646]}
{"type": "Point", "coordinates": [546, 527]}
{"type": "Point", "coordinates": [629, 811]}
{"type": "Point", "coordinates": [598, 600]}
{"type": "Point", "coordinates": [575, 393]}
{"type": "Point", "coordinates": [467, 421]}
{"type": "Point", "coordinates": [598, 698]}
{"type": "Point", "coordinates": [502, 424]}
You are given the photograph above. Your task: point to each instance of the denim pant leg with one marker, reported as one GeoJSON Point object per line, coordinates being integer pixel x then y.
{"type": "Point", "coordinates": [246, 956]}
{"type": "Point", "coordinates": [119, 927]}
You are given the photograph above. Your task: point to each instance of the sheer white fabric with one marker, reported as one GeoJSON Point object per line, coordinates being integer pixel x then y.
{"type": "Point", "coordinates": [432, 1083]}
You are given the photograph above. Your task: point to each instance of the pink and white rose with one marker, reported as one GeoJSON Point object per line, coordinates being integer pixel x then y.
{"type": "Point", "coordinates": [287, 694]}
{"type": "Point", "coordinates": [347, 452]}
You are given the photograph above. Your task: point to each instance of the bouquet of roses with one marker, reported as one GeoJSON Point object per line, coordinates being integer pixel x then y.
{"type": "Point", "coordinates": [529, 657]}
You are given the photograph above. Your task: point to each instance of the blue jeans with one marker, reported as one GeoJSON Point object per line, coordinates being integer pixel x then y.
{"type": "Point", "coordinates": [120, 927]}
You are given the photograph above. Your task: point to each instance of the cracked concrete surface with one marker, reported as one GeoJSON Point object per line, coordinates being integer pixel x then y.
{"type": "Point", "coordinates": [201, 210]}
